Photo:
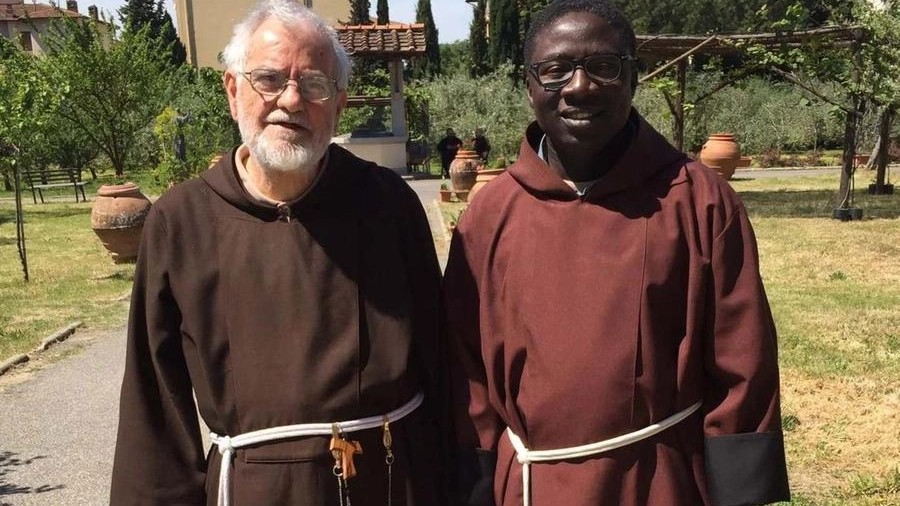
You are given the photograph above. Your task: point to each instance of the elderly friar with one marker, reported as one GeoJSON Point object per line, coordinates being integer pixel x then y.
{"type": "Point", "coordinates": [289, 295]}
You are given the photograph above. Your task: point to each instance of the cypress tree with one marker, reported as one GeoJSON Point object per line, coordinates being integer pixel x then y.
{"type": "Point", "coordinates": [430, 64]}
{"type": "Point", "coordinates": [137, 14]}
{"type": "Point", "coordinates": [382, 12]}
{"type": "Point", "coordinates": [478, 45]}
{"type": "Point", "coordinates": [359, 12]}
{"type": "Point", "coordinates": [505, 43]}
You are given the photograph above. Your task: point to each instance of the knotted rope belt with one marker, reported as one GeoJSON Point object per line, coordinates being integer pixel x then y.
{"type": "Point", "coordinates": [526, 456]}
{"type": "Point", "coordinates": [227, 445]}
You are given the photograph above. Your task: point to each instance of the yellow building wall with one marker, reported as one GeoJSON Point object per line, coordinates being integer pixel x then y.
{"type": "Point", "coordinates": [205, 26]}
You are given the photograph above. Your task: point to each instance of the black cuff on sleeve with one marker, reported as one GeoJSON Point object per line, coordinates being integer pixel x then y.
{"type": "Point", "coordinates": [746, 469]}
{"type": "Point", "coordinates": [476, 477]}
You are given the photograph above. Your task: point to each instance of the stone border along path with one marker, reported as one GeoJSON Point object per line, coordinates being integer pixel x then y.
{"type": "Point", "coordinates": [56, 337]}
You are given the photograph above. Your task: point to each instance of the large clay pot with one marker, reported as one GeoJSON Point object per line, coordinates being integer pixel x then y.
{"type": "Point", "coordinates": [482, 178]}
{"type": "Point", "coordinates": [721, 153]}
{"type": "Point", "coordinates": [464, 169]}
{"type": "Point", "coordinates": [117, 218]}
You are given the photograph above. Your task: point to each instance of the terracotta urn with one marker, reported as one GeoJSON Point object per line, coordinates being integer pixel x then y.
{"type": "Point", "coordinates": [482, 178]}
{"type": "Point", "coordinates": [464, 169]}
{"type": "Point", "coordinates": [721, 153]}
{"type": "Point", "coordinates": [117, 218]}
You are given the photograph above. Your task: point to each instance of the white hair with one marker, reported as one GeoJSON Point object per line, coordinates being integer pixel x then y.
{"type": "Point", "coordinates": [290, 13]}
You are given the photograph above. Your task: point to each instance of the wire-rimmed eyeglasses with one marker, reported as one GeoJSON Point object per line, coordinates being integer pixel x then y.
{"type": "Point", "coordinates": [554, 74]}
{"type": "Point", "coordinates": [272, 83]}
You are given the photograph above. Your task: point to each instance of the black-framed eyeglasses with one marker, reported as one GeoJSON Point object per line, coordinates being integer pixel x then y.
{"type": "Point", "coordinates": [272, 83]}
{"type": "Point", "coordinates": [554, 74]}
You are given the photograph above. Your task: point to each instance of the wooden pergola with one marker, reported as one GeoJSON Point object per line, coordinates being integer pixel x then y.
{"type": "Point", "coordinates": [675, 50]}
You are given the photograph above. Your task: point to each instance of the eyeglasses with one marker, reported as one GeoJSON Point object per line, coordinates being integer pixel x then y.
{"type": "Point", "coordinates": [555, 74]}
{"type": "Point", "coordinates": [272, 83]}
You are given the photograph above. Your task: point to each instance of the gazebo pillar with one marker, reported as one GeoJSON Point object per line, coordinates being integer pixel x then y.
{"type": "Point", "coordinates": [398, 105]}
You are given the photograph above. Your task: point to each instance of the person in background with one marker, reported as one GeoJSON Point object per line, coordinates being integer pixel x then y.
{"type": "Point", "coordinates": [611, 338]}
{"type": "Point", "coordinates": [481, 145]}
{"type": "Point", "coordinates": [293, 291]}
{"type": "Point", "coordinates": [447, 147]}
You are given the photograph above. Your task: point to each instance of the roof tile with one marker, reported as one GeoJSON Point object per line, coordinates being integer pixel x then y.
{"type": "Point", "coordinates": [390, 40]}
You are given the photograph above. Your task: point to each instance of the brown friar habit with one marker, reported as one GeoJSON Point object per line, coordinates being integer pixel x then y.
{"type": "Point", "coordinates": [578, 319]}
{"type": "Point", "coordinates": [324, 312]}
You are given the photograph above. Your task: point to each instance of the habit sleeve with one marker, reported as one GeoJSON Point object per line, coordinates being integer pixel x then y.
{"type": "Point", "coordinates": [159, 456]}
{"type": "Point", "coordinates": [429, 340]}
{"type": "Point", "coordinates": [478, 426]}
{"type": "Point", "coordinates": [744, 450]}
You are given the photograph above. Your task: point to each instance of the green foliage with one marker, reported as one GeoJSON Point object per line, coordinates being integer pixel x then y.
{"type": "Point", "coordinates": [27, 101]}
{"type": "Point", "coordinates": [382, 12]}
{"type": "Point", "coordinates": [456, 58]}
{"type": "Point", "coordinates": [505, 42]}
{"type": "Point", "coordinates": [359, 12]}
{"type": "Point", "coordinates": [430, 64]}
{"type": "Point", "coordinates": [478, 46]}
{"type": "Point", "coordinates": [109, 90]}
{"type": "Point", "coordinates": [138, 14]}
{"type": "Point", "coordinates": [490, 102]}
{"type": "Point", "coordinates": [207, 126]}
{"type": "Point", "coordinates": [376, 82]}
{"type": "Point", "coordinates": [764, 115]}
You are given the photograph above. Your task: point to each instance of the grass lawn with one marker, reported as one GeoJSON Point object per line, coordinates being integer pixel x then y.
{"type": "Point", "coordinates": [834, 288]}
{"type": "Point", "coordinates": [72, 278]}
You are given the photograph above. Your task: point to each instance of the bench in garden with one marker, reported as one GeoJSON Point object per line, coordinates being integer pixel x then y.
{"type": "Point", "coordinates": [42, 179]}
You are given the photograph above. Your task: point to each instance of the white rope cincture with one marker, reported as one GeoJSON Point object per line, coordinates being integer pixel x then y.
{"type": "Point", "coordinates": [526, 456]}
{"type": "Point", "coordinates": [227, 445]}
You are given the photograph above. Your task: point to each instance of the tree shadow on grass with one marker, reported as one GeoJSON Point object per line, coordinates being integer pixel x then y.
{"type": "Point", "coordinates": [9, 463]}
{"type": "Point", "coordinates": [816, 204]}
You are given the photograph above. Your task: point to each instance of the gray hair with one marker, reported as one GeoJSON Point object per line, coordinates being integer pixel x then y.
{"type": "Point", "coordinates": [290, 13]}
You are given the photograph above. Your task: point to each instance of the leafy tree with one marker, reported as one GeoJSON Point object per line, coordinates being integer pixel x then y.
{"type": "Point", "coordinates": [491, 102]}
{"type": "Point", "coordinates": [478, 45]}
{"type": "Point", "coordinates": [137, 14]}
{"type": "Point", "coordinates": [430, 64]}
{"type": "Point", "coordinates": [382, 12]}
{"type": "Point", "coordinates": [868, 74]}
{"type": "Point", "coordinates": [456, 58]}
{"type": "Point", "coordinates": [110, 90]}
{"type": "Point", "coordinates": [26, 100]}
{"type": "Point", "coordinates": [199, 112]}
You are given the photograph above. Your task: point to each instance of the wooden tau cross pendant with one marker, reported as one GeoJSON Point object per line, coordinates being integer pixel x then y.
{"type": "Point", "coordinates": [343, 451]}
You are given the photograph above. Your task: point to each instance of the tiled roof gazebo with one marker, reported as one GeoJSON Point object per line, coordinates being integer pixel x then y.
{"type": "Point", "coordinates": [392, 42]}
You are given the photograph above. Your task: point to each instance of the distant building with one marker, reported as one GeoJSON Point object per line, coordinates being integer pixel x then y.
{"type": "Point", "coordinates": [205, 26]}
{"type": "Point", "coordinates": [25, 23]}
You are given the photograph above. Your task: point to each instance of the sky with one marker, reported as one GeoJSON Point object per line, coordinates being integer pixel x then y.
{"type": "Point", "coordinates": [452, 17]}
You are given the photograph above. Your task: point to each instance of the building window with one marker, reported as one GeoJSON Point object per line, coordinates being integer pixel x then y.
{"type": "Point", "coordinates": [25, 41]}
{"type": "Point", "coordinates": [308, 3]}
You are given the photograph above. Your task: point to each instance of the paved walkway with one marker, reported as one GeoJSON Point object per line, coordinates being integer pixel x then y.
{"type": "Point", "coordinates": [58, 423]}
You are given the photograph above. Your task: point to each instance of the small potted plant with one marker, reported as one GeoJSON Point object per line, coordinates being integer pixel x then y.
{"type": "Point", "coordinates": [446, 193]}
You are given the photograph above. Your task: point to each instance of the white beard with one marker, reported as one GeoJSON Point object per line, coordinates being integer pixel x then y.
{"type": "Point", "coordinates": [281, 154]}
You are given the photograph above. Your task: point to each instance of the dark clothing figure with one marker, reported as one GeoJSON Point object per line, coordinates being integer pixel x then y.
{"type": "Point", "coordinates": [482, 146]}
{"type": "Point", "coordinates": [447, 147]}
{"type": "Point", "coordinates": [322, 310]}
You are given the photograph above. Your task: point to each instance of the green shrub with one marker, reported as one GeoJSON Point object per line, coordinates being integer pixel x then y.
{"type": "Point", "coordinates": [491, 102]}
